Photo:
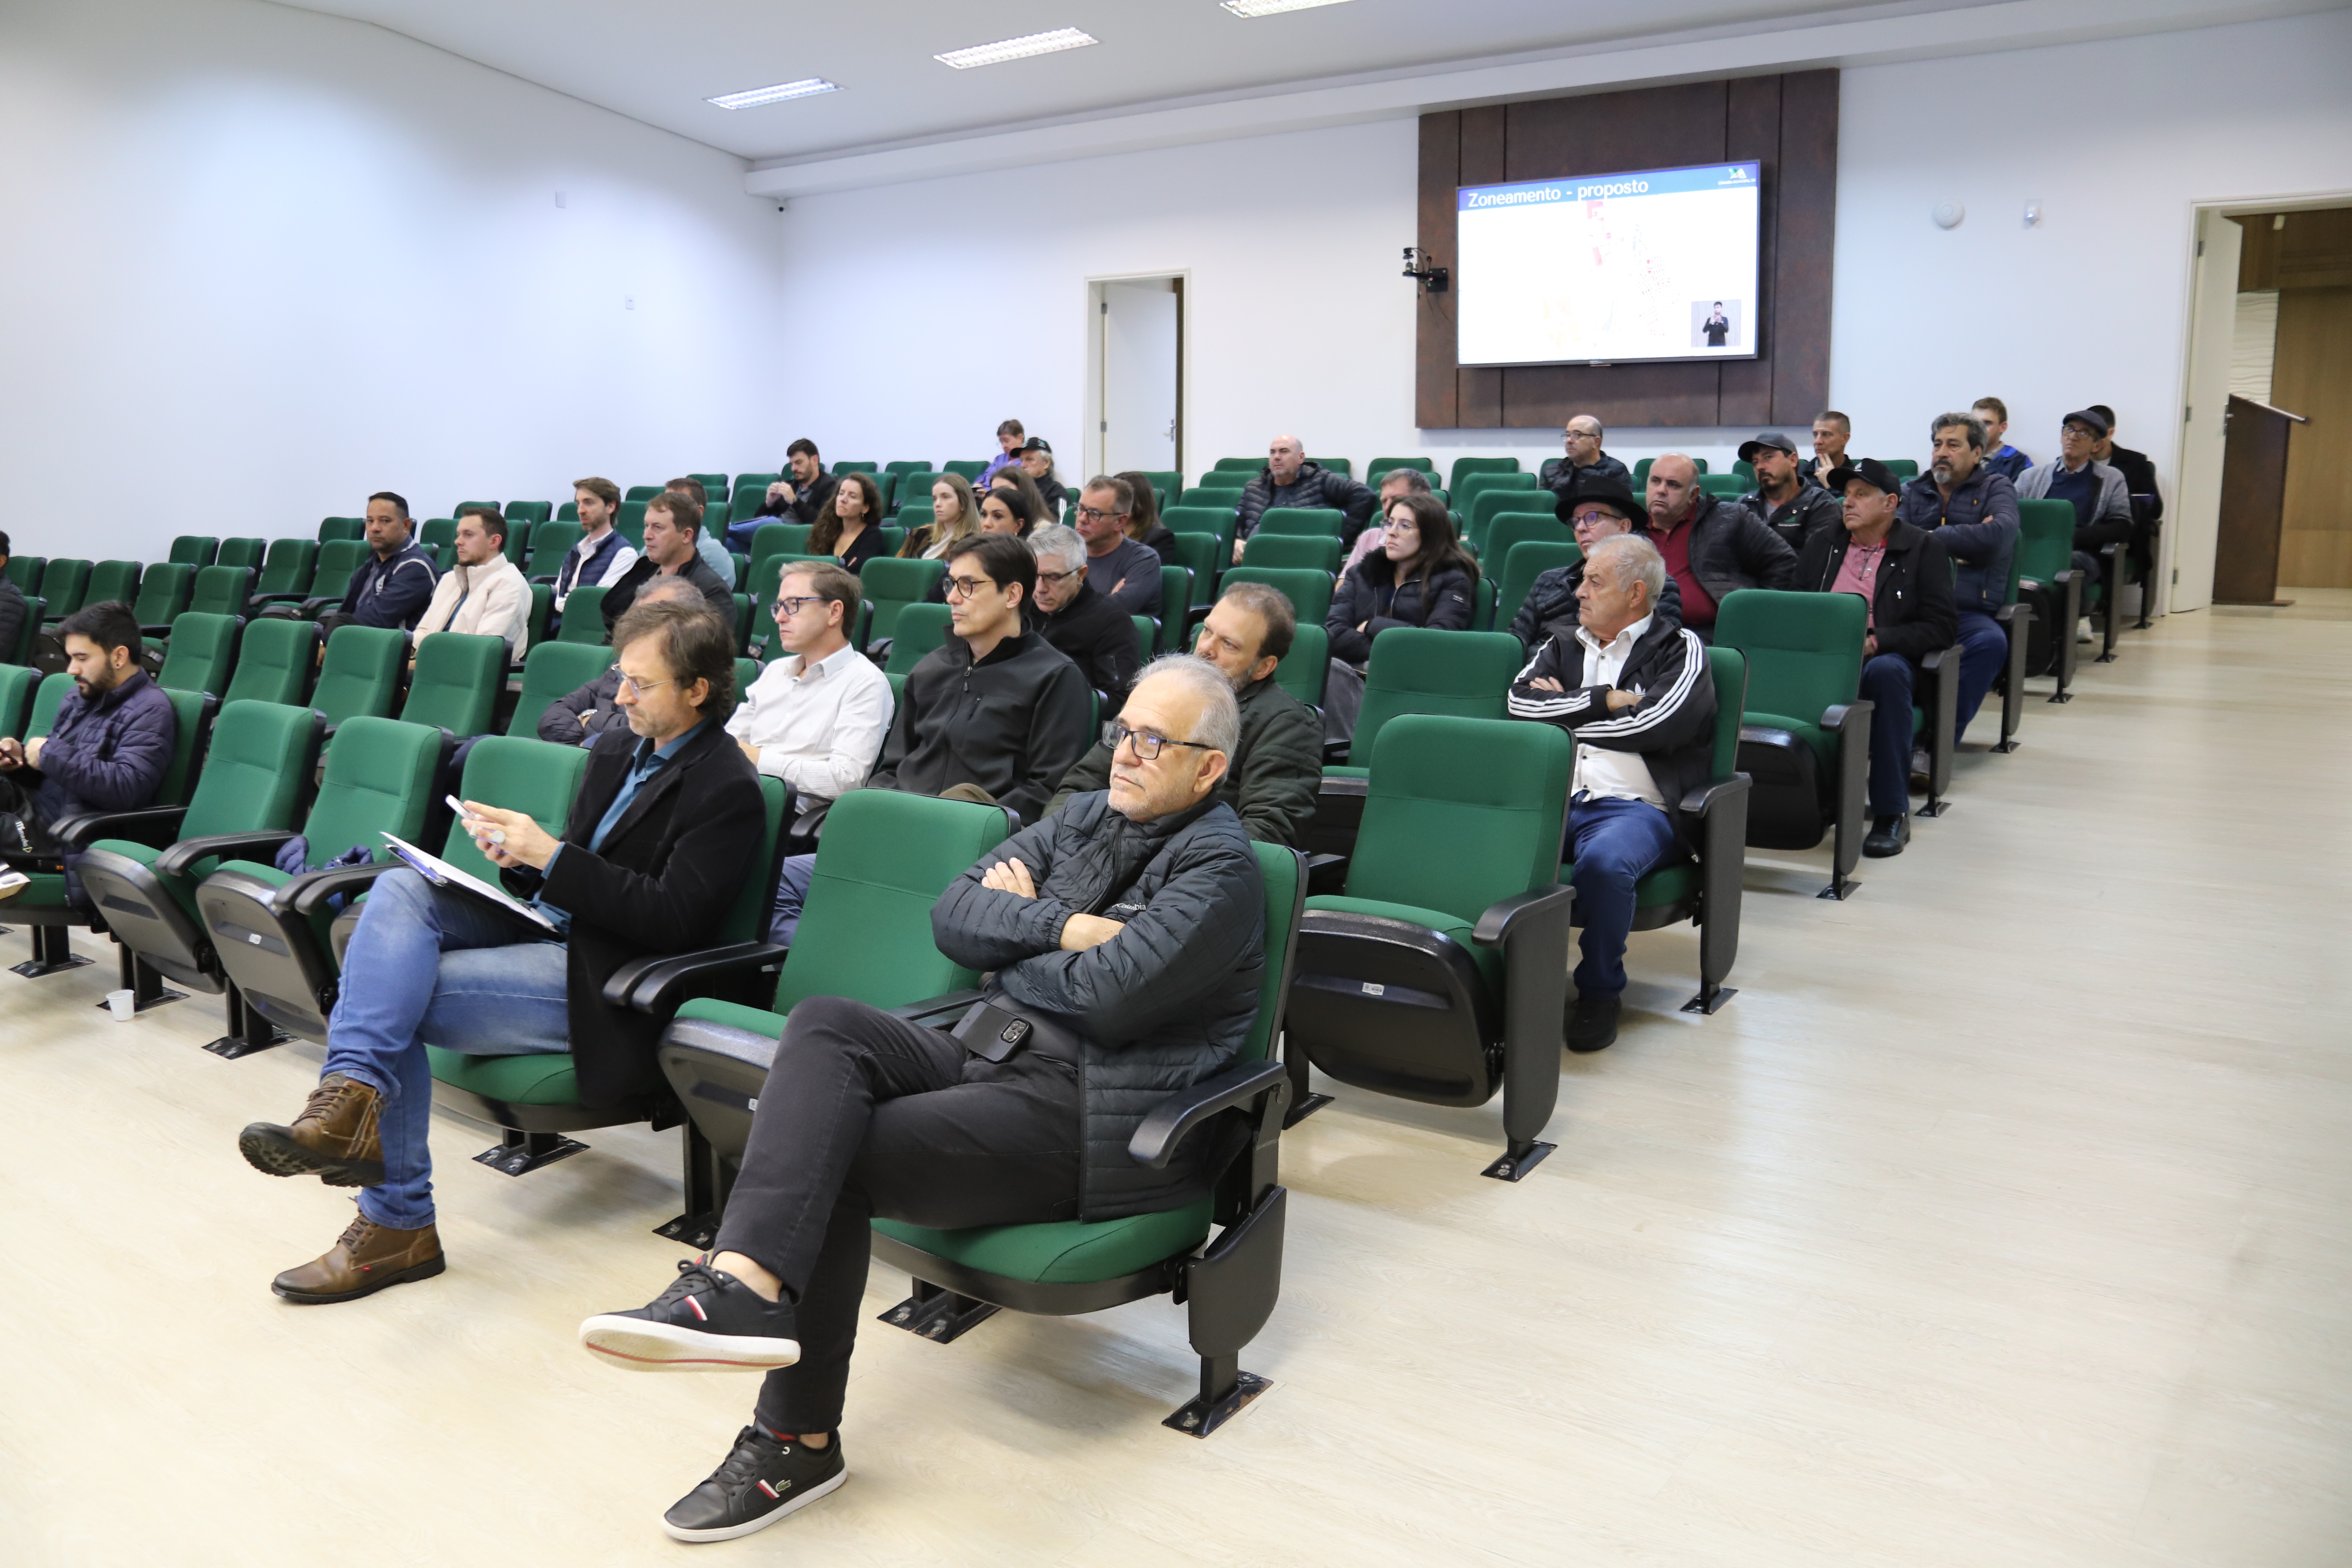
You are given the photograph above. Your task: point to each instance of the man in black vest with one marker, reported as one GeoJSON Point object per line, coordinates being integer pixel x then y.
{"type": "Point", "coordinates": [1130, 930]}
{"type": "Point", "coordinates": [666, 827]}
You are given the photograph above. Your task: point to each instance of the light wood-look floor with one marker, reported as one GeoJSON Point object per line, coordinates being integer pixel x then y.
{"type": "Point", "coordinates": [2001, 1220]}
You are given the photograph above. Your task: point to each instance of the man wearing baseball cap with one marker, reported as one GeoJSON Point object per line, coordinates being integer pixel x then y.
{"type": "Point", "coordinates": [1905, 576]}
{"type": "Point", "coordinates": [1037, 462]}
{"type": "Point", "coordinates": [2101, 500]}
{"type": "Point", "coordinates": [1595, 509]}
{"type": "Point", "coordinates": [1793, 504]}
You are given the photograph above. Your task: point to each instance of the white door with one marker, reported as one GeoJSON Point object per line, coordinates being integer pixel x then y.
{"type": "Point", "coordinates": [1139, 375]}
{"type": "Point", "coordinates": [2212, 326]}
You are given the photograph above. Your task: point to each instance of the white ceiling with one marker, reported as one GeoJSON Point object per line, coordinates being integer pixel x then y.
{"type": "Point", "coordinates": [657, 61]}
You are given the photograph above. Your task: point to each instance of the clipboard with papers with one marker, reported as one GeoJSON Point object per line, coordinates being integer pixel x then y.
{"type": "Point", "coordinates": [442, 874]}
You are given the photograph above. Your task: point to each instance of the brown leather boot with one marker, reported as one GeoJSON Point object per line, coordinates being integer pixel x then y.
{"type": "Point", "coordinates": [365, 1259]}
{"type": "Point", "coordinates": [335, 1138]}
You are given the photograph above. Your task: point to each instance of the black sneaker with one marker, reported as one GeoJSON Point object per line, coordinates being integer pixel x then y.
{"type": "Point", "coordinates": [1888, 836]}
{"type": "Point", "coordinates": [706, 1321]}
{"type": "Point", "coordinates": [1593, 1023]}
{"type": "Point", "coordinates": [762, 1481]}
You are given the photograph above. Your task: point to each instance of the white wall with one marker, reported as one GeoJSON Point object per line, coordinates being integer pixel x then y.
{"type": "Point", "coordinates": [1299, 318]}
{"type": "Point", "coordinates": [258, 262]}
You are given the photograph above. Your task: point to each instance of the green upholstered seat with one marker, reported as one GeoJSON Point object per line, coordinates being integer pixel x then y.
{"type": "Point", "coordinates": [1804, 650]}
{"type": "Point", "coordinates": [1465, 466]}
{"type": "Point", "coordinates": [1824, 744]}
{"type": "Point", "coordinates": [361, 674]}
{"type": "Point", "coordinates": [970, 467]}
{"type": "Point", "coordinates": [242, 552]}
{"type": "Point", "coordinates": [221, 591]}
{"type": "Point", "coordinates": [891, 585]}
{"type": "Point", "coordinates": [1494, 500]}
{"type": "Point", "coordinates": [1419, 669]}
{"type": "Point", "coordinates": [341, 527]}
{"type": "Point", "coordinates": [1804, 658]}
{"type": "Point", "coordinates": [437, 534]}
{"type": "Point", "coordinates": [1218, 497]}
{"type": "Point", "coordinates": [1203, 556]}
{"type": "Point", "coordinates": [551, 541]}
{"type": "Point", "coordinates": [17, 684]}
{"type": "Point", "coordinates": [1305, 669]}
{"type": "Point", "coordinates": [1175, 596]}
{"type": "Point", "coordinates": [163, 591]}
{"type": "Point", "coordinates": [1529, 560]}
{"type": "Point", "coordinates": [109, 582]}
{"type": "Point", "coordinates": [286, 568]}
{"type": "Point", "coordinates": [1309, 591]}
{"type": "Point", "coordinates": [583, 616]}
{"type": "Point", "coordinates": [203, 651]}
{"type": "Point", "coordinates": [330, 573]}
{"type": "Point", "coordinates": [915, 487]}
{"type": "Point", "coordinates": [1307, 522]}
{"type": "Point", "coordinates": [1726, 486]}
{"type": "Point", "coordinates": [918, 629]}
{"type": "Point", "coordinates": [1218, 518]}
{"type": "Point", "coordinates": [551, 671]}
{"type": "Point", "coordinates": [25, 570]}
{"type": "Point", "coordinates": [1279, 551]}
{"type": "Point", "coordinates": [1489, 961]}
{"type": "Point", "coordinates": [1506, 529]}
{"type": "Point", "coordinates": [530, 513]}
{"type": "Point", "coordinates": [1065, 1252]}
{"type": "Point", "coordinates": [194, 550]}
{"type": "Point", "coordinates": [456, 681]}
{"type": "Point", "coordinates": [1468, 488]}
{"type": "Point", "coordinates": [28, 635]}
{"type": "Point", "coordinates": [779, 538]}
{"type": "Point", "coordinates": [42, 717]}
{"type": "Point", "coordinates": [1381, 466]}
{"type": "Point", "coordinates": [65, 581]}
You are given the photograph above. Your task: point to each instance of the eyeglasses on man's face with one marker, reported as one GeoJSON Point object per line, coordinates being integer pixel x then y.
{"type": "Point", "coordinates": [1058, 577]}
{"type": "Point", "coordinates": [632, 687]}
{"type": "Point", "coordinates": [1147, 744]}
{"type": "Point", "coordinates": [1095, 514]}
{"type": "Point", "coordinates": [787, 608]}
{"type": "Point", "coordinates": [965, 587]}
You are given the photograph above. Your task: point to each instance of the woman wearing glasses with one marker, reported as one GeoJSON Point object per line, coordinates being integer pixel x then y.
{"type": "Point", "coordinates": [1418, 577]}
{"type": "Point", "coordinates": [849, 528]}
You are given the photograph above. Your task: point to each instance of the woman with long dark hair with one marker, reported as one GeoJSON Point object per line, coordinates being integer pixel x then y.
{"type": "Point", "coordinates": [1006, 510]}
{"type": "Point", "coordinates": [1143, 524]}
{"type": "Point", "coordinates": [1420, 576]}
{"type": "Point", "coordinates": [849, 528]}
{"type": "Point", "coordinates": [1018, 481]}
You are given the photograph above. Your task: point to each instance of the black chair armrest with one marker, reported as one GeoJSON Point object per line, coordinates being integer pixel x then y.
{"type": "Point", "coordinates": [1935, 659]}
{"type": "Point", "coordinates": [2020, 614]}
{"type": "Point", "coordinates": [84, 827]}
{"type": "Point", "coordinates": [1327, 873]}
{"type": "Point", "coordinates": [306, 893]}
{"type": "Point", "coordinates": [659, 984]}
{"type": "Point", "coordinates": [278, 598]}
{"type": "Point", "coordinates": [954, 1005]}
{"type": "Point", "coordinates": [1166, 1124]}
{"type": "Point", "coordinates": [1706, 797]}
{"type": "Point", "coordinates": [163, 631]}
{"type": "Point", "coordinates": [1494, 927]}
{"type": "Point", "coordinates": [1359, 788]}
{"type": "Point", "coordinates": [312, 609]}
{"type": "Point", "coordinates": [175, 861]}
{"type": "Point", "coordinates": [1838, 716]}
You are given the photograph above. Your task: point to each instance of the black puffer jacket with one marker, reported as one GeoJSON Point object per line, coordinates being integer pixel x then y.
{"type": "Point", "coordinates": [1315, 486]}
{"type": "Point", "coordinates": [1912, 612]}
{"type": "Point", "coordinates": [1731, 548]}
{"type": "Point", "coordinates": [1551, 600]}
{"type": "Point", "coordinates": [13, 610]}
{"type": "Point", "coordinates": [1163, 1004]}
{"type": "Point", "coordinates": [1370, 596]}
{"type": "Point", "coordinates": [1099, 637]}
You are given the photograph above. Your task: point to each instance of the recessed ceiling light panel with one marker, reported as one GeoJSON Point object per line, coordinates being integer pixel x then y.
{"type": "Point", "coordinates": [1019, 48]}
{"type": "Point", "coordinates": [1271, 8]}
{"type": "Point", "coordinates": [806, 88]}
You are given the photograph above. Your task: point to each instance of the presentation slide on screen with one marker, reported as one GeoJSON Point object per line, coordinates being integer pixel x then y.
{"type": "Point", "coordinates": [1656, 264]}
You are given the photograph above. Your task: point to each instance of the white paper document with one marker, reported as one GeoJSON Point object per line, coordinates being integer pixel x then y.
{"type": "Point", "coordinates": [440, 873]}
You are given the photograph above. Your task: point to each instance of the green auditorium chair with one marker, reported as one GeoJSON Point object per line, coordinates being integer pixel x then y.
{"type": "Point", "coordinates": [275, 659]}
{"type": "Point", "coordinates": [762, 481]}
{"type": "Point", "coordinates": [456, 683]}
{"type": "Point", "coordinates": [906, 466]}
{"type": "Point", "coordinates": [286, 570]}
{"type": "Point", "coordinates": [542, 611]}
{"type": "Point", "coordinates": [742, 603]}
{"type": "Point", "coordinates": [1470, 487]}
{"type": "Point", "coordinates": [1293, 552]}
{"type": "Point", "coordinates": [1464, 466]}
{"type": "Point", "coordinates": [43, 906]}
{"type": "Point", "coordinates": [1704, 889]}
{"type": "Point", "coordinates": [65, 585]}
{"type": "Point", "coordinates": [1309, 591]}
{"type": "Point", "coordinates": [641, 492]}
{"type": "Point", "coordinates": [163, 592]}
{"type": "Point", "coordinates": [256, 773]}
{"type": "Point", "coordinates": [2050, 587]}
{"type": "Point", "coordinates": [715, 488]}
{"type": "Point", "coordinates": [1478, 521]}
{"type": "Point", "coordinates": [584, 618]}
{"type": "Point", "coordinates": [1529, 560]}
{"type": "Point", "coordinates": [1746, 472]}
{"type": "Point", "coordinates": [269, 930]}
{"type": "Point", "coordinates": [1246, 467]}
{"type": "Point", "coordinates": [25, 570]}
{"type": "Point", "coordinates": [891, 585]}
{"type": "Point", "coordinates": [1225, 497]}
{"type": "Point", "coordinates": [361, 675]}
{"type": "Point", "coordinates": [1175, 590]}
{"type": "Point", "coordinates": [1414, 669]}
{"type": "Point", "coordinates": [42, 716]}
{"type": "Point", "coordinates": [551, 541]}
{"type": "Point", "coordinates": [222, 591]}
{"type": "Point", "coordinates": [194, 550]}
{"type": "Point", "coordinates": [747, 500]}
{"type": "Point", "coordinates": [1167, 481]}
{"type": "Point", "coordinates": [1804, 735]}
{"type": "Point", "coordinates": [629, 522]}
{"type": "Point", "coordinates": [1301, 521]}
{"type": "Point", "coordinates": [969, 470]}
{"type": "Point", "coordinates": [918, 629]}
{"type": "Point", "coordinates": [1203, 554]}
{"type": "Point", "coordinates": [330, 579]}
{"type": "Point", "coordinates": [1642, 473]}
{"type": "Point", "coordinates": [440, 536]}
{"type": "Point", "coordinates": [516, 547]}
{"type": "Point", "coordinates": [1218, 519]}
{"type": "Point", "coordinates": [1443, 976]}
{"type": "Point", "coordinates": [914, 514]}
{"type": "Point", "coordinates": [530, 513]}
{"type": "Point", "coordinates": [242, 552]}
{"type": "Point", "coordinates": [1726, 486]}
{"type": "Point", "coordinates": [1337, 465]}
{"type": "Point", "coordinates": [2016, 619]}
{"type": "Point", "coordinates": [1507, 530]}
{"type": "Point", "coordinates": [334, 527]}
{"type": "Point", "coordinates": [1379, 467]}
{"type": "Point", "coordinates": [17, 684]}
{"type": "Point", "coordinates": [716, 1057]}
{"type": "Point", "coordinates": [1904, 469]}
{"type": "Point", "coordinates": [568, 513]}
{"type": "Point", "coordinates": [203, 651]}
{"type": "Point", "coordinates": [28, 637]}
{"type": "Point", "coordinates": [780, 539]}
{"type": "Point", "coordinates": [534, 1100]}
{"type": "Point", "coordinates": [552, 670]}
{"type": "Point", "coordinates": [1305, 669]}
{"type": "Point", "coordinates": [1484, 595]}
{"type": "Point", "coordinates": [915, 487]}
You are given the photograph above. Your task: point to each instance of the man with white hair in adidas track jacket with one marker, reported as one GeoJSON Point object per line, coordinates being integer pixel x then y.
{"type": "Point", "coordinates": [1632, 686]}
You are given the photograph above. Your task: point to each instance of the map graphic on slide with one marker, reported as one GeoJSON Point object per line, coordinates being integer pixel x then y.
{"type": "Point", "coordinates": [1655, 264]}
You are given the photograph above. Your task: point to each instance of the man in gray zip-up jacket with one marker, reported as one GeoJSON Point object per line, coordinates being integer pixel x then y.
{"type": "Point", "coordinates": [2098, 493]}
{"type": "Point", "coordinates": [1127, 932]}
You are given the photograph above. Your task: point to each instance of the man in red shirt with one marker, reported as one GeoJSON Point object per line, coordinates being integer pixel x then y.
{"type": "Point", "coordinates": [1710, 549]}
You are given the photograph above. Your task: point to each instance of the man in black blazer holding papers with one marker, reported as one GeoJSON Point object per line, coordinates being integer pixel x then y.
{"type": "Point", "coordinates": [666, 827]}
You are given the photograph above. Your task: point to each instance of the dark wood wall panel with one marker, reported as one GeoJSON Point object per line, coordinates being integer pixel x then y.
{"type": "Point", "coordinates": [1787, 123]}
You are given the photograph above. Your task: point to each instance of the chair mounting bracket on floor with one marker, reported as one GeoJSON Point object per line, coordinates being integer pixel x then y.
{"type": "Point", "coordinates": [522, 1153]}
{"type": "Point", "coordinates": [938, 1313]}
{"type": "Point", "coordinates": [1710, 1003]}
{"type": "Point", "coordinates": [1518, 1160]}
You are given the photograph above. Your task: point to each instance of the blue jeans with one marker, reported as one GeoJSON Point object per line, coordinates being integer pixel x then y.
{"type": "Point", "coordinates": [1887, 680]}
{"type": "Point", "coordinates": [429, 964]}
{"type": "Point", "coordinates": [1611, 844]}
{"type": "Point", "coordinates": [792, 891]}
{"type": "Point", "coordinates": [1984, 656]}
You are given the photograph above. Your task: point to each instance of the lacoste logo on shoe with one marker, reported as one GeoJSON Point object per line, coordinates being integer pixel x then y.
{"type": "Point", "coordinates": [773, 1492]}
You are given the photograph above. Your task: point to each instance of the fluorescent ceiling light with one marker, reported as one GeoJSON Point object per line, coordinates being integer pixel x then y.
{"type": "Point", "coordinates": [1272, 7]}
{"type": "Point", "coordinates": [1019, 48]}
{"type": "Point", "coordinates": [776, 94]}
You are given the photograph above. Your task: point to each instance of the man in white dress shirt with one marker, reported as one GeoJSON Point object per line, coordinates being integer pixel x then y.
{"type": "Point", "coordinates": [816, 717]}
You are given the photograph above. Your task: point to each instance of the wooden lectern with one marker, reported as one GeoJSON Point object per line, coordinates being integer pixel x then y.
{"type": "Point", "coordinates": [2254, 499]}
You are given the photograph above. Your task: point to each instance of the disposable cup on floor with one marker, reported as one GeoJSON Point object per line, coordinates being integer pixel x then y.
{"type": "Point", "coordinates": [125, 1004]}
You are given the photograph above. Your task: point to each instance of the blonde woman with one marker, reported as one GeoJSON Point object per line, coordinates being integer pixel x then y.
{"type": "Point", "coordinates": [955, 513]}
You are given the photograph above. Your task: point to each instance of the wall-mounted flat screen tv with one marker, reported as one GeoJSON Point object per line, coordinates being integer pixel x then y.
{"type": "Point", "coordinates": [1658, 264]}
